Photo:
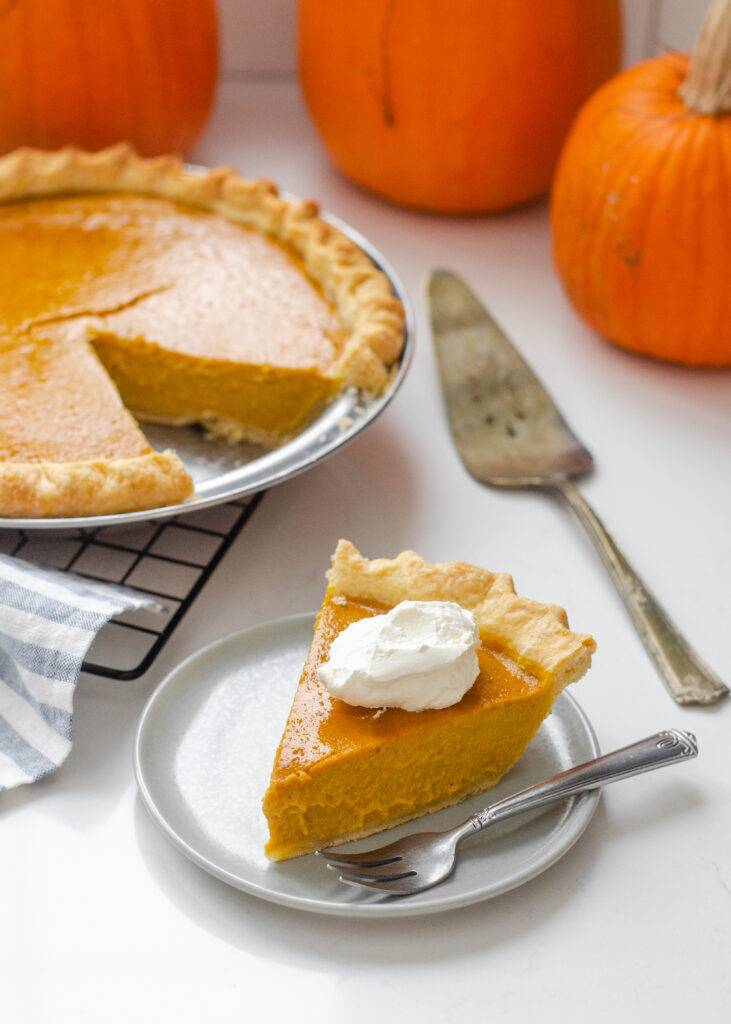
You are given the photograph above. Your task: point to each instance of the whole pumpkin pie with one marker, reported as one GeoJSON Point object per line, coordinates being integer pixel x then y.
{"type": "Point", "coordinates": [132, 284]}
{"type": "Point", "coordinates": [343, 772]}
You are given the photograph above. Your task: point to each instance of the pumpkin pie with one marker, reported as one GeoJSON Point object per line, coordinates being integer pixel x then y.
{"type": "Point", "coordinates": [343, 772]}
{"type": "Point", "coordinates": [133, 284]}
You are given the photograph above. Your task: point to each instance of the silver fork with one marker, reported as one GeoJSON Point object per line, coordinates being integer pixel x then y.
{"type": "Point", "coordinates": [420, 861]}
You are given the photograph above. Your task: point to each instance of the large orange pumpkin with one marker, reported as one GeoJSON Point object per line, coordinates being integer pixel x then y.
{"type": "Point", "coordinates": [452, 105]}
{"type": "Point", "coordinates": [641, 204]}
{"type": "Point", "coordinates": [94, 72]}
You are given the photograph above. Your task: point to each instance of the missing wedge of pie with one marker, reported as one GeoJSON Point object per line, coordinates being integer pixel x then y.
{"type": "Point", "coordinates": [133, 289]}
{"type": "Point", "coordinates": [343, 772]}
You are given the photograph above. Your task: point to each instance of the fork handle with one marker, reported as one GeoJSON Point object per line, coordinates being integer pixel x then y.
{"type": "Point", "coordinates": [668, 747]}
{"type": "Point", "coordinates": [687, 677]}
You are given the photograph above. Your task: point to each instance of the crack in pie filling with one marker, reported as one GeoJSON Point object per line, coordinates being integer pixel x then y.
{"type": "Point", "coordinates": [133, 289]}
{"type": "Point", "coordinates": [344, 772]}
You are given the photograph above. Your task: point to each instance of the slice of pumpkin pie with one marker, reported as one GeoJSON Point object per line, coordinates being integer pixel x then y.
{"type": "Point", "coordinates": [344, 770]}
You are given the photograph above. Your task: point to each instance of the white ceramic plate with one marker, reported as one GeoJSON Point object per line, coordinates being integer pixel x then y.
{"type": "Point", "coordinates": [204, 753]}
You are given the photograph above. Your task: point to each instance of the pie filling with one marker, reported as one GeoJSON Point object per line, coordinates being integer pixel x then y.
{"type": "Point", "coordinates": [50, 394]}
{"type": "Point", "coordinates": [165, 386]}
{"type": "Point", "coordinates": [192, 315]}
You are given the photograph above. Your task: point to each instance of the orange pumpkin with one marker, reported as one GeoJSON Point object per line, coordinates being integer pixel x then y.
{"type": "Point", "coordinates": [452, 105]}
{"type": "Point", "coordinates": [641, 204]}
{"type": "Point", "coordinates": [94, 72]}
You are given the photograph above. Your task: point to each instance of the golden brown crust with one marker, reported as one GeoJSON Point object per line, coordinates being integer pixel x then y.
{"type": "Point", "coordinates": [97, 487]}
{"type": "Point", "coordinates": [535, 635]}
{"type": "Point", "coordinates": [361, 293]}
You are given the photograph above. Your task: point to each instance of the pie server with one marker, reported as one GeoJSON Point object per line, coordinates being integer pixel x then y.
{"type": "Point", "coordinates": [509, 433]}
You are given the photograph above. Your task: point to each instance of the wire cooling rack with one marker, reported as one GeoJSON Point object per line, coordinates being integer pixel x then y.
{"type": "Point", "coordinates": [170, 560]}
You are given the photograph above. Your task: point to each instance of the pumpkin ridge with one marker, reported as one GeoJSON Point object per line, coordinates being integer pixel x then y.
{"type": "Point", "coordinates": [386, 93]}
{"type": "Point", "coordinates": [649, 319]}
{"type": "Point", "coordinates": [654, 221]}
{"type": "Point", "coordinates": [600, 226]}
{"type": "Point", "coordinates": [598, 221]}
{"type": "Point", "coordinates": [702, 335]}
{"type": "Point", "coordinates": [129, 99]}
{"type": "Point", "coordinates": [611, 233]}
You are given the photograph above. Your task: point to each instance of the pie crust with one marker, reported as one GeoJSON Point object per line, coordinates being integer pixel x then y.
{"type": "Point", "coordinates": [360, 294]}
{"type": "Point", "coordinates": [535, 635]}
{"type": "Point", "coordinates": [342, 772]}
{"type": "Point", "coordinates": [93, 487]}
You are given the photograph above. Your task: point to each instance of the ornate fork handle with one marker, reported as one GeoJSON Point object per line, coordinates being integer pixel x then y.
{"type": "Point", "coordinates": [685, 674]}
{"type": "Point", "coordinates": [663, 748]}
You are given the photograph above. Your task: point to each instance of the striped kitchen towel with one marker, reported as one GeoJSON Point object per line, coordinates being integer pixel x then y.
{"type": "Point", "coordinates": [48, 620]}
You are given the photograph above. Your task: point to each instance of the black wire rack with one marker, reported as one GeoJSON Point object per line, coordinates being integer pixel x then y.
{"type": "Point", "coordinates": [169, 560]}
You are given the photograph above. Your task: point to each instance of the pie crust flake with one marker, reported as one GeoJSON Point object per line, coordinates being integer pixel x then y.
{"type": "Point", "coordinates": [343, 772]}
{"type": "Point", "coordinates": [200, 297]}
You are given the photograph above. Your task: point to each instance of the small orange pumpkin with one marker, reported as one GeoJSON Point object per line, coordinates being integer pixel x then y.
{"type": "Point", "coordinates": [641, 204]}
{"type": "Point", "coordinates": [95, 72]}
{"type": "Point", "coordinates": [452, 105]}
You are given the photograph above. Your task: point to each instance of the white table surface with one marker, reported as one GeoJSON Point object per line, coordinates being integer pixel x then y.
{"type": "Point", "coordinates": [102, 920]}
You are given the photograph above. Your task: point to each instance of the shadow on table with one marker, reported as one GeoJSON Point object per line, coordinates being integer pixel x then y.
{"type": "Point", "coordinates": [298, 938]}
{"type": "Point", "coordinates": [85, 790]}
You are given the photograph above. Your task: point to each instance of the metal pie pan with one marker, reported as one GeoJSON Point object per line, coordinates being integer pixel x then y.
{"type": "Point", "coordinates": [222, 471]}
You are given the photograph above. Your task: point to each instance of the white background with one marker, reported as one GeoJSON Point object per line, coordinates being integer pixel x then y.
{"type": "Point", "coordinates": [259, 35]}
{"type": "Point", "coordinates": [103, 921]}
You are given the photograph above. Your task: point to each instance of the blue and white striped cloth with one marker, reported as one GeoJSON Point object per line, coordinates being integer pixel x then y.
{"type": "Point", "coordinates": [48, 620]}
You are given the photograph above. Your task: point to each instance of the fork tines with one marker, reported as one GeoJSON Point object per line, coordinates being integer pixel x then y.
{"type": "Point", "coordinates": [381, 873]}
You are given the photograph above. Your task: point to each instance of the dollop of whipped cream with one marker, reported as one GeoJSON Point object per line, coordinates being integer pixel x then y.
{"type": "Point", "coordinates": [419, 655]}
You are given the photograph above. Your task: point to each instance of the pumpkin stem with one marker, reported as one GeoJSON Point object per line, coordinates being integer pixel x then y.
{"type": "Point", "coordinates": [707, 87]}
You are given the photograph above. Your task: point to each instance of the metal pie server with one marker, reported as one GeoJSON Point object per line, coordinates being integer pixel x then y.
{"type": "Point", "coordinates": [509, 433]}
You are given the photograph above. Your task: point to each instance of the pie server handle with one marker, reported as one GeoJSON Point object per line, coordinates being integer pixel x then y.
{"type": "Point", "coordinates": [687, 677]}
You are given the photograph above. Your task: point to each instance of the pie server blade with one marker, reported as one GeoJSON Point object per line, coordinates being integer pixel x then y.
{"type": "Point", "coordinates": [509, 433]}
